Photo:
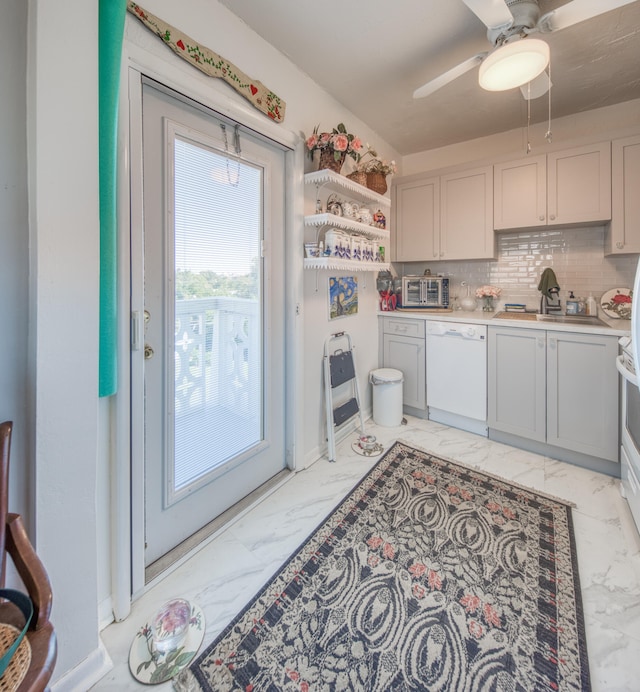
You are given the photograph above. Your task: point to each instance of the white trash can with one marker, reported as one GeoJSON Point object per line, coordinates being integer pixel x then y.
{"type": "Point", "coordinates": [387, 396]}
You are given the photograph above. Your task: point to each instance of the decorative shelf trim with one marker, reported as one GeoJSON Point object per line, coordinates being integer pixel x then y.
{"type": "Point", "coordinates": [346, 224]}
{"type": "Point", "coordinates": [347, 265]}
{"type": "Point", "coordinates": [340, 183]}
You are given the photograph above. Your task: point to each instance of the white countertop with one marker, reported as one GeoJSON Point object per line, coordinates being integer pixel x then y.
{"type": "Point", "coordinates": [615, 327]}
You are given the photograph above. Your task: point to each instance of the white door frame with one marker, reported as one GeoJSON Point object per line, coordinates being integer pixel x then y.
{"type": "Point", "coordinates": [127, 525]}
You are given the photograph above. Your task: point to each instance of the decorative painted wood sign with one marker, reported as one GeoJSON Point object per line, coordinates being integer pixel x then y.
{"type": "Point", "coordinates": [212, 64]}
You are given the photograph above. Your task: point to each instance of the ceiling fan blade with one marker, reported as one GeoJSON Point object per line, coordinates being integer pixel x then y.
{"type": "Point", "coordinates": [448, 76]}
{"type": "Point", "coordinates": [537, 87]}
{"type": "Point", "coordinates": [576, 12]}
{"type": "Point", "coordinates": [492, 13]}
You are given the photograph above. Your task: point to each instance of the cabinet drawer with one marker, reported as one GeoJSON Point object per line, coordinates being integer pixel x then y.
{"type": "Point", "coordinates": [393, 325]}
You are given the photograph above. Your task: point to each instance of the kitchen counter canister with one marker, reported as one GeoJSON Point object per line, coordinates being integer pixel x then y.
{"type": "Point", "coordinates": [612, 328]}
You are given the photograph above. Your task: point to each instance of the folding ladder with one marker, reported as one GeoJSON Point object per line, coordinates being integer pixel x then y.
{"type": "Point", "coordinates": [340, 369]}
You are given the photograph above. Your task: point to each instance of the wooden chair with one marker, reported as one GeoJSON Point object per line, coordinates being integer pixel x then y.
{"type": "Point", "coordinates": [15, 542]}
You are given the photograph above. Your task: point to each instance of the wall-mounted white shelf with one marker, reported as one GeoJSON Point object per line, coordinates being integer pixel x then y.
{"type": "Point", "coordinates": [340, 183]}
{"type": "Point", "coordinates": [335, 182]}
{"type": "Point", "coordinates": [346, 224]}
{"type": "Point", "coordinates": [344, 265]}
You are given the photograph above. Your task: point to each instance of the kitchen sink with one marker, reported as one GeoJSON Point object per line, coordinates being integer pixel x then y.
{"type": "Point", "coordinates": [586, 320]}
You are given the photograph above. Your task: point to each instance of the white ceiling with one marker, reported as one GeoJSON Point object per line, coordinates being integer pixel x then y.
{"type": "Point", "coordinates": [372, 54]}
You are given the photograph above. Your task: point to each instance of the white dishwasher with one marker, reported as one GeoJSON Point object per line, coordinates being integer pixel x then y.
{"type": "Point", "coordinates": [457, 375]}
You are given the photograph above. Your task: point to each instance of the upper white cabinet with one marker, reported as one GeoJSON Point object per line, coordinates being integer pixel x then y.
{"type": "Point", "coordinates": [579, 185]}
{"type": "Point", "coordinates": [449, 217]}
{"type": "Point", "coordinates": [417, 219]}
{"type": "Point", "coordinates": [520, 193]}
{"type": "Point", "coordinates": [562, 188]}
{"type": "Point", "coordinates": [623, 235]}
{"type": "Point", "coordinates": [466, 215]}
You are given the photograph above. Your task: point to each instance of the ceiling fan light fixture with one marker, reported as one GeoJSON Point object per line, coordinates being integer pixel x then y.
{"type": "Point", "coordinates": [513, 64]}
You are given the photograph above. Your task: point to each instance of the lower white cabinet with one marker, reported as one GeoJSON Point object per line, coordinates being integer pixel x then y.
{"type": "Point", "coordinates": [516, 382]}
{"type": "Point", "coordinates": [559, 388]}
{"type": "Point", "coordinates": [403, 348]}
{"type": "Point", "coordinates": [582, 393]}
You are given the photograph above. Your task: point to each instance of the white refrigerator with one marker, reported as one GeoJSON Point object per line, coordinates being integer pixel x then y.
{"type": "Point", "coordinates": [628, 367]}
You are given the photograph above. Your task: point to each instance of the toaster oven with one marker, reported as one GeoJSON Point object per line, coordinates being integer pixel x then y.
{"type": "Point", "coordinates": [425, 292]}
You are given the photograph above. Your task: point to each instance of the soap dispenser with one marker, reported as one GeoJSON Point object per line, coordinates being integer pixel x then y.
{"type": "Point", "coordinates": [592, 306]}
{"type": "Point", "coordinates": [571, 304]}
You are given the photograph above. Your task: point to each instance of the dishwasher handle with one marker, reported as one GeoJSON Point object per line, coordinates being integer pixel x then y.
{"type": "Point", "coordinates": [461, 331]}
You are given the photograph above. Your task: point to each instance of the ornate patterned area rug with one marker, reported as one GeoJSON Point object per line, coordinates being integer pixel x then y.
{"type": "Point", "coordinates": [429, 576]}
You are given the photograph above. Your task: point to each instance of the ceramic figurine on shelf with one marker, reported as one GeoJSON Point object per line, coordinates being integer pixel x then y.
{"type": "Point", "coordinates": [379, 219]}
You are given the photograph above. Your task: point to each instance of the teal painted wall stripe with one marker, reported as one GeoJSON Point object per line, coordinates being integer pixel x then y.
{"type": "Point", "coordinates": [111, 29]}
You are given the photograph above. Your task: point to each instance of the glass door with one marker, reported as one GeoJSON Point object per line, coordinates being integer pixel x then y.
{"type": "Point", "coordinates": [214, 326]}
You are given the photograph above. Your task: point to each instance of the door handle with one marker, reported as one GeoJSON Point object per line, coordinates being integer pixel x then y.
{"type": "Point", "coordinates": [148, 352]}
{"type": "Point", "coordinates": [136, 331]}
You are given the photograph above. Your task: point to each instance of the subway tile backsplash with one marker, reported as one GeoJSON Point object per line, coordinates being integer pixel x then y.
{"type": "Point", "coordinates": [576, 256]}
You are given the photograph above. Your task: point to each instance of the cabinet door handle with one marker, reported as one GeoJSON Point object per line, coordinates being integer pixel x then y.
{"type": "Point", "coordinates": [552, 217]}
{"type": "Point", "coordinates": [541, 217]}
{"type": "Point", "coordinates": [541, 342]}
{"type": "Point", "coordinates": [552, 342]}
{"type": "Point", "coordinates": [619, 245]}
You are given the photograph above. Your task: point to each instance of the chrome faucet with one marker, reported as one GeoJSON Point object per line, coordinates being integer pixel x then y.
{"type": "Point", "coordinates": [550, 303]}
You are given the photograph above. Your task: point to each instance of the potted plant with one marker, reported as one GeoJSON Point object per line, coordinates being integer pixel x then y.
{"type": "Point", "coordinates": [377, 171]}
{"type": "Point", "coordinates": [360, 175]}
{"type": "Point", "coordinates": [333, 146]}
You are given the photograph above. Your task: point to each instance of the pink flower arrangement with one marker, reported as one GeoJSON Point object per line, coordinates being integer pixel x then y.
{"type": "Point", "coordinates": [379, 166]}
{"type": "Point", "coordinates": [338, 140]}
{"type": "Point", "coordinates": [486, 291]}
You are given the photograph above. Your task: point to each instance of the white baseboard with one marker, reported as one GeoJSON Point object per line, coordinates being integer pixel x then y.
{"type": "Point", "coordinates": [105, 613]}
{"type": "Point", "coordinates": [87, 673]}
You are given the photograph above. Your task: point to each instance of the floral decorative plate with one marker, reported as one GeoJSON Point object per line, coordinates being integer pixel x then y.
{"type": "Point", "coordinates": [150, 666]}
{"type": "Point", "coordinates": [616, 303]}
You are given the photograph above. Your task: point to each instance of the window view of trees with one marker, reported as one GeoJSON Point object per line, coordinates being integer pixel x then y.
{"type": "Point", "coordinates": [209, 284]}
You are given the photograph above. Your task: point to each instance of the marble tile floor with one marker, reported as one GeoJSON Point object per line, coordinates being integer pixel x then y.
{"type": "Point", "coordinates": [223, 576]}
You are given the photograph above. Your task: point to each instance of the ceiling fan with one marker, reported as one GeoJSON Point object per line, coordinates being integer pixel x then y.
{"type": "Point", "coordinates": [517, 60]}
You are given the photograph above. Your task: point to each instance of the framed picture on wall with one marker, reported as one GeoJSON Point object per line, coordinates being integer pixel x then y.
{"type": "Point", "coordinates": [343, 296]}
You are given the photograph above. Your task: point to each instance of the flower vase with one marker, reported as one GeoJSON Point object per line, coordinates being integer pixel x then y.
{"type": "Point", "coordinates": [487, 304]}
{"type": "Point", "coordinates": [328, 160]}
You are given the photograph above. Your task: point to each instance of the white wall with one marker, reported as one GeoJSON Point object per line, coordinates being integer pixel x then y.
{"type": "Point", "coordinates": [14, 249]}
{"type": "Point", "coordinates": [591, 126]}
{"type": "Point", "coordinates": [64, 235]}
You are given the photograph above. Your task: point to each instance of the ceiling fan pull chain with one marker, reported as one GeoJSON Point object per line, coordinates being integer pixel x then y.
{"type": "Point", "coordinates": [528, 117]}
{"type": "Point", "coordinates": [548, 136]}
